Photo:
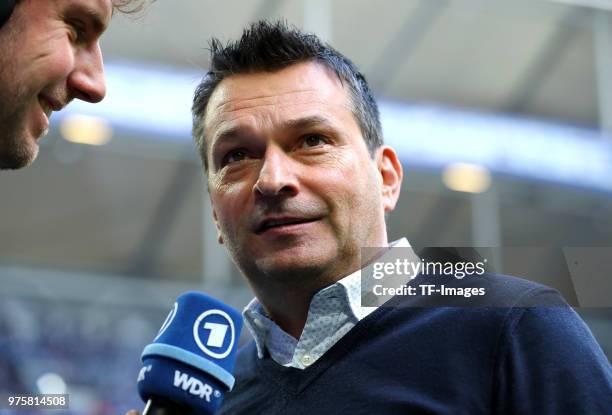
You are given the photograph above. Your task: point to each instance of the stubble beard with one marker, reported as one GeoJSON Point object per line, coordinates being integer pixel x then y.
{"type": "Point", "coordinates": [16, 151]}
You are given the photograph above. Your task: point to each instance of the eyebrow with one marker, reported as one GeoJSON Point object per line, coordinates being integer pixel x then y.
{"type": "Point", "coordinates": [229, 134]}
{"type": "Point", "coordinates": [90, 14]}
{"type": "Point", "coordinates": [235, 132]}
{"type": "Point", "coordinates": [307, 122]}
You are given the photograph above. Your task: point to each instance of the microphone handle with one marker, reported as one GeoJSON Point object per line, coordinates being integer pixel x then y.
{"type": "Point", "coordinates": [161, 406]}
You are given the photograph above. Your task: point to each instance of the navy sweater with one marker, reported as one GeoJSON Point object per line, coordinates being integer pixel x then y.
{"type": "Point", "coordinates": [407, 359]}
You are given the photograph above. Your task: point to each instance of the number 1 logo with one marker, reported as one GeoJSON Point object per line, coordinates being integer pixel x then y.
{"type": "Point", "coordinates": [217, 334]}
{"type": "Point", "coordinates": [213, 326]}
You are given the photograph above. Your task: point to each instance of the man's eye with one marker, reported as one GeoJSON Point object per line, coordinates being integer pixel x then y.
{"type": "Point", "coordinates": [77, 31]}
{"type": "Point", "coordinates": [234, 156]}
{"type": "Point", "coordinates": [313, 140]}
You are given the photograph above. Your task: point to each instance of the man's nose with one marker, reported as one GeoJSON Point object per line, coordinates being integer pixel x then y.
{"type": "Point", "coordinates": [86, 82]}
{"type": "Point", "coordinates": [277, 175]}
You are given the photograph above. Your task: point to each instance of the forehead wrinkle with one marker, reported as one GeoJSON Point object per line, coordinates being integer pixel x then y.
{"type": "Point", "coordinates": [245, 103]}
{"type": "Point", "coordinates": [310, 116]}
{"type": "Point", "coordinates": [228, 128]}
{"type": "Point", "coordinates": [226, 104]}
{"type": "Point", "coordinates": [226, 112]}
{"type": "Point", "coordinates": [231, 127]}
{"type": "Point", "coordinates": [229, 114]}
{"type": "Point", "coordinates": [236, 123]}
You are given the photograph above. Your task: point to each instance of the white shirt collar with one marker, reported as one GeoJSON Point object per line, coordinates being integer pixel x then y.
{"type": "Point", "coordinates": [260, 325]}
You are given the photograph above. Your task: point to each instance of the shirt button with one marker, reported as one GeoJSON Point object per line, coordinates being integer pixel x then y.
{"type": "Point", "coordinates": [307, 360]}
{"type": "Point", "coordinates": [259, 323]}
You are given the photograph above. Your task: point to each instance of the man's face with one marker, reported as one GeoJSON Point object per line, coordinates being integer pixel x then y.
{"type": "Point", "coordinates": [49, 55]}
{"type": "Point", "coordinates": [293, 187]}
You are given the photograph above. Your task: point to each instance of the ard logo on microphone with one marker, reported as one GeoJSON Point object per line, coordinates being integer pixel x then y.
{"type": "Point", "coordinates": [214, 333]}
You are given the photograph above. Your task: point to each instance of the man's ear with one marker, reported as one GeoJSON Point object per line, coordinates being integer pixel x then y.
{"type": "Point", "coordinates": [391, 174]}
{"type": "Point", "coordinates": [214, 215]}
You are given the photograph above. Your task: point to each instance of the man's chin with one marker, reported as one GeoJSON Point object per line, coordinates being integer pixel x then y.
{"type": "Point", "coordinates": [291, 266]}
{"type": "Point", "coordinates": [17, 153]}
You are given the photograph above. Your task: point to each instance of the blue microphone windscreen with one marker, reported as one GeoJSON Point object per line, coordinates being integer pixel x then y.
{"type": "Point", "coordinates": [192, 357]}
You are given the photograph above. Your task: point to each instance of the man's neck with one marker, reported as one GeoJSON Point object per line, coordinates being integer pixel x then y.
{"type": "Point", "coordinates": [287, 301]}
{"type": "Point", "coordinates": [288, 304]}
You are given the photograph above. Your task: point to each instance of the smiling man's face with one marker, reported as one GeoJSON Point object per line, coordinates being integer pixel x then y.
{"type": "Point", "coordinates": [293, 187]}
{"type": "Point", "coordinates": [49, 55]}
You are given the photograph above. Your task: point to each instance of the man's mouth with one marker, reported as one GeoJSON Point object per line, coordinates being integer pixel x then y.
{"type": "Point", "coordinates": [272, 223]}
{"type": "Point", "coordinates": [48, 106]}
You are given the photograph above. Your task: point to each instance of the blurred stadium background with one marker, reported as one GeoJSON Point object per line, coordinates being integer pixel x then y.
{"type": "Point", "coordinates": [501, 112]}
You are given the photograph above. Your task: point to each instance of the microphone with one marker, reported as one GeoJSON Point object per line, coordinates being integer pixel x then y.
{"type": "Point", "coordinates": [188, 367]}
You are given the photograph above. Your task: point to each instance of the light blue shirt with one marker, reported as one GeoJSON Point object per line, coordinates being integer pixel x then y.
{"type": "Point", "coordinates": [333, 312]}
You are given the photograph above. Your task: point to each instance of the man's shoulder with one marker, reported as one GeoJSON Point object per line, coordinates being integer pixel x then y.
{"type": "Point", "coordinates": [248, 396]}
{"type": "Point", "coordinates": [511, 291]}
{"type": "Point", "coordinates": [487, 290]}
{"type": "Point", "coordinates": [246, 358]}
{"type": "Point", "coordinates": [489, 310]}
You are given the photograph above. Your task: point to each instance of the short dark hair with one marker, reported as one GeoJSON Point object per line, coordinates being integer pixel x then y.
{"type": "Point", "coordinates": [268, 47]}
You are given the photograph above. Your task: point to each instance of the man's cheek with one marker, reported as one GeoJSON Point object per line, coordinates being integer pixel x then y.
{"type": "Point", "coordinates": [231, 227]}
